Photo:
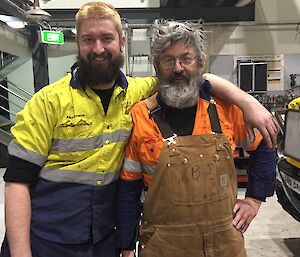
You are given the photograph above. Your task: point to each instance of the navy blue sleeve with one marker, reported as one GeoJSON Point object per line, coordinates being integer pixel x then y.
{"type": "Point", "coordinates": [262, 172]}
{"type": "Point", "coordinates": [205, 90]}
{"type": "Point", "coordinates": [128, 213]}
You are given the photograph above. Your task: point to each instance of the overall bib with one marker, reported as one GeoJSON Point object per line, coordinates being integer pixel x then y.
{"type": "Point", "coordinates": [188, 210]}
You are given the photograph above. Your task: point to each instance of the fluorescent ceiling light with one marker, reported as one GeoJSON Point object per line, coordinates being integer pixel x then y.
{"type": "Point", "coordinates": [16, 24]}
{"type": "Point", "coordinates": [13, 22]}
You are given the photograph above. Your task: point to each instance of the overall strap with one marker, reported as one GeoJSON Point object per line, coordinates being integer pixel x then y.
{"type": "Point", "coordinates": [214, 117]}
{"type": "Point", "coordinates": [156, 113]}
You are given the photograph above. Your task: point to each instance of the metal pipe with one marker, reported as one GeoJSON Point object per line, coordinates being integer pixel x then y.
{"type": "Point", "coordinates": [1, 107]}
{"type": "Point", "coordinates": [13, 93]}
{"type": "Point", "coordinates": [16, 86]}
{"type": "Point", "coordinates": [15, 6]}
{"type": "Point", "coordinates": [5, 98]}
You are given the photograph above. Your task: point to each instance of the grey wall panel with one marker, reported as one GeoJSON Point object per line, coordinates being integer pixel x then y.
{"type": "Point", "coordinates": [223, 65]}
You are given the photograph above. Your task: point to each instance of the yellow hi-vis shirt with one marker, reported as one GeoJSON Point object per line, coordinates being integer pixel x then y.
{"type": "Point", "coordinates": [295, 105]}
{"type": "Point", "coordinates": [65, 131]}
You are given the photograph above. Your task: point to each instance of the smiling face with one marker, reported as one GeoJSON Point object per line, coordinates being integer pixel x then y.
{"type": "Point", "coordinates": [99, 49]}
{"type": "Point", "coordinates": [96, 37]}
{"type": "Point", "coordinates": [179, 75]}
{"type": "Point", "coordinates": [184, 63]}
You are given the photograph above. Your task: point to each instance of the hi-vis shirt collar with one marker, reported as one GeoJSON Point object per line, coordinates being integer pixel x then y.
{"type": "Point", "coordinates": [76, 82]}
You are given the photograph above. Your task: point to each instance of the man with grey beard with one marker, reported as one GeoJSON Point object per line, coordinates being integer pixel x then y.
{"type": "Point", "coordinates": [178, 168]}
{"type": "Point", "coordinates": [68, 148]}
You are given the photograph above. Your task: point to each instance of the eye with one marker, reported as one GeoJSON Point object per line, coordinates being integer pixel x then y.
{"type": "Point", "coordinates": [108, 38]}
{"type": "Point", "coordinates": [87, 39]}
{"type": "Point", "coordinates": [168, 62]}
{"type": "Point", "coordinates": [187, 59]}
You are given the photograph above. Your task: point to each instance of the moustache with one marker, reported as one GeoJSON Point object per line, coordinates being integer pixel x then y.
{"type": "Point", "coordinates": [176, 76]}
{"type": "Point", "coordinates": [99, 57]}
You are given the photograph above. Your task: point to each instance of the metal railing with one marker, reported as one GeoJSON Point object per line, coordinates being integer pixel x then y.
{"type": "Point", "coordinates": [14, 93]}
{"type": "Point", "coordinates": [20, 89]}
{"type": "Point", "coordinates": [19, 96]}
{"type": "Point", "coordinates": [4, 60]}
{"type": "Point", "coordinates": [15, 90]}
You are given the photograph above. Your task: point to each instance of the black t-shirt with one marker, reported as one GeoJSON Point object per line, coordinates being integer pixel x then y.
{"type": "Point", "coordinates": [180, 120]}
{"type": "Point", "coordinates": [105, 95]}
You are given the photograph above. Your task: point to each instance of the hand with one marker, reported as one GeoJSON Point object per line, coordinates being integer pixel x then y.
{"type": "Point", "coordinates": [257, 116]}
{"type": "Point", "coordinates": [127, 253]}
{"type": "Point", "coordinates": [245, 210]}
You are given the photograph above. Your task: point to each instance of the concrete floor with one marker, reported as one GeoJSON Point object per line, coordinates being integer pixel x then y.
{"type": "Point", "coordinates": [273, 233]}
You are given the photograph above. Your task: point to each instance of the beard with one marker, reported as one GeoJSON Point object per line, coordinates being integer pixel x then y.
{"type": "Point", "coordinates": [180, 95]}
{"type": "Point", "coordinates": [99, 73]}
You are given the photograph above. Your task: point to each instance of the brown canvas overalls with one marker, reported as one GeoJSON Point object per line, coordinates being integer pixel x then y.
{"type": "Point", "coordinates": [188, 210]}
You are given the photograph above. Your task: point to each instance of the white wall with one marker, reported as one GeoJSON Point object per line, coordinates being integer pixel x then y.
{"type": "Point", "coordinates": [279, 37]}
{"type": "Point", "coordinates": [21, 77]}
{"type": "Point", "coordinates": [12, 42]}
{"type": "Point", "coordinates": [59, 66]}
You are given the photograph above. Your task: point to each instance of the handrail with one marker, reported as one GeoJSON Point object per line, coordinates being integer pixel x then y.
{"type": "Point", "coordinates": [13, 93]}
{"type": "Point", "coordinates": [1, 107]}
{"type": "Point", "coordinates": [22, 98]}
{"type": "Point", "coordinates": [7, 59]}
{"type": "Point", "coordinates": [10, 101]}
{"type": "Point", "coordinates": [16, 86]}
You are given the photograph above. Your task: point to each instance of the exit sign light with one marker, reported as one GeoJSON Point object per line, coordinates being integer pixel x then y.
{"type": "Point", "coordinates": [51, 37]}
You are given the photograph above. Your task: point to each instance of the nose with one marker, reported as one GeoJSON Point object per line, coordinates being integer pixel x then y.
{"type": "Point", "coordinates": [177, 66]}
{"type": "Point", "coordinates": [98, 47]}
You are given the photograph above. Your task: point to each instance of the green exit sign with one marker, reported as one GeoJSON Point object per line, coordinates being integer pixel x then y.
{"type": "Point", "coordinates": [51, 37]}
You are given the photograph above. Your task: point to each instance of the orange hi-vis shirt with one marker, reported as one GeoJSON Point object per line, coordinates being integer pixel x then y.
{"type": "Point", "coordinates": [145, 144]}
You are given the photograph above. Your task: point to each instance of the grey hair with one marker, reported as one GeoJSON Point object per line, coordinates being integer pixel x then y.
{"type": "Point", "coordinates": [166, 32]}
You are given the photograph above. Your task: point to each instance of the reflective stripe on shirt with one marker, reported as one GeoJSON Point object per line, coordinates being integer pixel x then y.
{"type": "Point", "coordinates": [137, 167]}
{"type": "Point", "coordinates": [81, 177]}
{"type": "Point", "coordinates": [85, 144]}
{"type": "Point", "coordinates": [25, 154]}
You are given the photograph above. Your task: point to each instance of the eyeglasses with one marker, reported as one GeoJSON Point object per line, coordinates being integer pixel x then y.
{"type": "Point", "coordinates": [169, 63]}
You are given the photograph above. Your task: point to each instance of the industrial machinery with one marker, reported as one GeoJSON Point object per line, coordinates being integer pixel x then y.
{"type": "Point", "coordinates": [288, 165]}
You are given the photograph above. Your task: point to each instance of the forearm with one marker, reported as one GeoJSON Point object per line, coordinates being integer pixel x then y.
{"type": "Point", "coordinates": [262, 172]}
{"type": "Point", "coordinates": [255, 114]}
{"type": "Point", "coordinates": [17, 218]}
{"type": "Point", "coordinates": [127, 213]}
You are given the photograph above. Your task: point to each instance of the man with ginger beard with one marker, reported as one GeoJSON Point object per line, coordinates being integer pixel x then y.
{"type": "Point", "coordinates": [94, 71]}
{"type": "Point", "coordinates": [179, 165]}
{"type": "Point", "coordinates": [68, 148]}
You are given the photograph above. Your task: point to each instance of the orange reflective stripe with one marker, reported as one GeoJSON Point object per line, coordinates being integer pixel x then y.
{"type": "Point", "coordinates": [128, 176]}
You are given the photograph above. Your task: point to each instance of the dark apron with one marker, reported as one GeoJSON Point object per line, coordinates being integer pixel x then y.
{"type": "Point", "coordinates": [188, 210]}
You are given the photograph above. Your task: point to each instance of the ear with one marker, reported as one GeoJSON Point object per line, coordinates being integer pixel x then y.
{"type": "Point", "coordinates": [156, 68]}
{"type": "Point", "coordinates": [122, 43]}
